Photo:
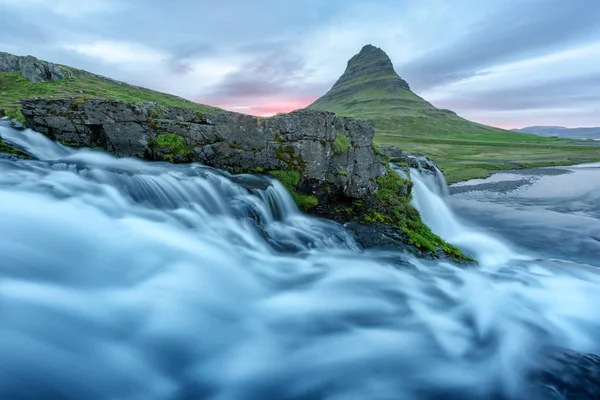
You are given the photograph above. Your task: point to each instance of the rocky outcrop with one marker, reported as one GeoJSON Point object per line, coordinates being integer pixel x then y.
{"type": "Point", "coordinates": [333, 154]}
{"type": "Point", "coordinates": [394, 153]}
{"type": "Point", "coordinates": [32, 69]}
{"type": "Point", "coordinates": [328, 163]}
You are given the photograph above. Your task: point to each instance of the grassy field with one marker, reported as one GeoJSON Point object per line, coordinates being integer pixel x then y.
{"type": "Point", "coordinates": [13, 88]}
{"type": "Point", "coordinates": [463, 159]}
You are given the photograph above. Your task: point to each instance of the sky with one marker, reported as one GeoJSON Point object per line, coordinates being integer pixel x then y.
{"type": "Point", "coordinates": [507, 63]}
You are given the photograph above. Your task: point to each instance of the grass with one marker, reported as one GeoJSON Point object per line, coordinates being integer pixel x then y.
{"type": "Point", "coordinates": [289, 179]}
{"type": "Point", "coordinates": [462, 159]}
{"type": "Point", "coordinates": [173, 144]}
{"type": "Point", "coordinates": [14, 88]}
{"type": "Point", "coordinates": [341, 144]}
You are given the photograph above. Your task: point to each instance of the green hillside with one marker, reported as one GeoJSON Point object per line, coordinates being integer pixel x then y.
{"type": "Point", "coordinates": [371, 89]}
{"type": "Point", "coordinates": [14, 87]}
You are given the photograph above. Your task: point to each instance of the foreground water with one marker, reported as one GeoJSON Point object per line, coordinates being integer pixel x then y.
{"type": "Point", "coordinates": [122, 279]}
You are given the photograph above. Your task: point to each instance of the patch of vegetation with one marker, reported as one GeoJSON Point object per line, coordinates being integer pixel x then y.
{"type": "Point", "coordinates": [173, 144]}
{"type": "Point", "coordinates": [15, 114]}
{"type": "Point", "coordinates": [68, 144]}
{"type": "Point", "coordinates": [462, 160]}
{"type": "Point", "coordinates": [14, 88]}
{"type": "Point", "coordinates": [287, 154]}
{"type": "Point", "coordinates": [7, 149]}
{"type": "Point", "coordinates": [234, 145]}
{"type": "Point", "coordinates": [391, 206]}
{"type": "Point", "coordinates": [397, 209]}
{"type": "Point", "coordinates": [341, 144]}
{"type": "Point", "coordinates": [289, 179]}
{"type": "Point", "coordinates": [376, 148]}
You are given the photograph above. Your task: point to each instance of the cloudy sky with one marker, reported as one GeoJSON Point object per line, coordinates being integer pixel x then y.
{"type": "Point", "coordinates": [507, 63]}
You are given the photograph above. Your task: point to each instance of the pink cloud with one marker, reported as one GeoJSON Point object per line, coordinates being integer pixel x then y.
{"type": "Point", "coordinates": [266, 108]}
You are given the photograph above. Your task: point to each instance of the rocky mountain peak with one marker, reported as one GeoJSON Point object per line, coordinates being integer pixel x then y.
{"type": "Point", "coordinates": [370, 61]}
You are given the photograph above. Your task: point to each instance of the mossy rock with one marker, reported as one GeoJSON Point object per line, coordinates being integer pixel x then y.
{"type": "Point", "coordinates": [7, 149]}
{"type": "Point", "coordinates": [390, 213]}
{"type": "Point", "coordinates": [290, 179]}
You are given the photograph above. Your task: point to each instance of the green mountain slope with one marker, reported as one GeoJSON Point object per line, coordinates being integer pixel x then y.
{"type": "Point", "coordinates": [371, 89]}
{"type": "Point", "coordinates": [76, 83]}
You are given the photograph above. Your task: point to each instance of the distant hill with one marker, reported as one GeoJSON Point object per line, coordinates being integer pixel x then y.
{"type": "Point", "coordinates": [371, 89]}
{"type": "Point", "coordinates": [25, 77]}
{"type": "Point", "coordinates": [562, 132]}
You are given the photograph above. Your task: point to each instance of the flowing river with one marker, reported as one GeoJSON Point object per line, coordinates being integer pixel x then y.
{"type": "Point", "coordinates": [123, 279]}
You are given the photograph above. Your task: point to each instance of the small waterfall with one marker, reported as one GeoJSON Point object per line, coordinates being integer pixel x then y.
{"type": "Point", "coordinates": [429, 191]}
{"type": "Point", "coordinates": [38, 146]}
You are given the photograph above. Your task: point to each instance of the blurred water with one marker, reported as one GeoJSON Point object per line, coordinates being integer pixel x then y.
{"type": "Point", "coordinates": [122, 279]}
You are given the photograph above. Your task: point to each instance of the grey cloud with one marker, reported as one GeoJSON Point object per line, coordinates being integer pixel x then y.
{"type": "Point", "coordinates": [556, 94]}
{"type": "Point", "coordinates": [269, 74]}
{"type": "Point", "coordinates": [269, 31]}
{"type": "Point", "coordinates": [14, 29]}
{"type": "Point", "coordinates": [523, 29]}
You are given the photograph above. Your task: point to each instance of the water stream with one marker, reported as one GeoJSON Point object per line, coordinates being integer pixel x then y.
{"type": "Point", "coordinates": [122, 279]}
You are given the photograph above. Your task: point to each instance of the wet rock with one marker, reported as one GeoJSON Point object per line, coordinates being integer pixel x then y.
{"type": "Point", "coordinates": [17, 124]}
{"type": "Point", "coordinates": [393, 152]}
{"type": "Point", "coordinates": [418, 161]}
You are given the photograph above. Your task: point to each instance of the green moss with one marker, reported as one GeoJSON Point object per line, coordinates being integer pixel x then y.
{"type": "Point", "coordinates": [287, 154]}
{"type": "Point", "coordinates": [341, 172]}
{"type": "Point", "coordinates": [173, 144]}
{"type": "Point", "coordinates": [171, 140]}
{"type": "Point", "coordinates": [289, 179]}
{"type": "Point", "coordinates": [16, 114]}
{"type": "Point", "coordinates": [391, 206]}
{"type": "Point", "coordinates": [341, 144]}
{"type": "Point", "coordinates": [376, 148]}
{"type": "Point", "coordinates": [234, 145]}
{"type": "Point", "coordinates": [5, 148]}
{"type": "Point", "coordinates": [68, 144]}
{"type": "Point", "coordinates": [391, 187]}
{"type": "Point", "coordinates": [375, 216]}
{"type": "Point", "coordinates": [79, 101]}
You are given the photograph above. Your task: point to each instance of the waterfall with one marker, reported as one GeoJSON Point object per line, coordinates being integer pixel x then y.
{"type": "Point", "coordinates": [124, 279]}
{"type": "Point", "coordinates": [429, 192]}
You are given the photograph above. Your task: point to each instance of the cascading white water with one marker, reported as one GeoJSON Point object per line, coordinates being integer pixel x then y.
{"type": "Point", "coordinates": [122, 279]}
{"type": "Point", "coordinates": [428, 197]}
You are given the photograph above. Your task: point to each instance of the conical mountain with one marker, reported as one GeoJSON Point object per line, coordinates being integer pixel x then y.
{"type": "Point", "coordinates": [371, 89]}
